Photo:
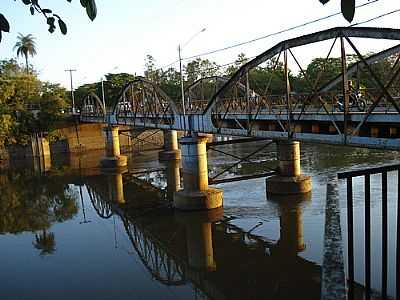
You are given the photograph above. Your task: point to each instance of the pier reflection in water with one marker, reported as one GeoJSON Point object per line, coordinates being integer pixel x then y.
{"type": "Point", "coordinates": [127, 243]}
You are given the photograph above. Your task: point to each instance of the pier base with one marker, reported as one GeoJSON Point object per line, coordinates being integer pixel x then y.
{"type": "Point", "coordinates": [198, 200]}
{"type": "Point", "coordinates": [290, 180]}
{"type": "Point", "coordinates": [196, 194]}
{"type": "Point", "coordinates": [114, 159]}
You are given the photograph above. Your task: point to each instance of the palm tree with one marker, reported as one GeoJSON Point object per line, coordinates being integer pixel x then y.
{"type": "Point", "coordinates": [25, 46]}
{"type": "Point", "coordinates": [45, 242]}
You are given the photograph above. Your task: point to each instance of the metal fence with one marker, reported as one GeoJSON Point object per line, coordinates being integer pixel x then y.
{"type": "Point", "coordinates": [368, 224]}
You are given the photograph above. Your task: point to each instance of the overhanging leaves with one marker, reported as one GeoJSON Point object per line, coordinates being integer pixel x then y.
{"type": "Point", "coordinates": [4, 25]}
{"type": "Point", "coordinates": [91, 8]}
{"type": "Point", "coordinates": [63, 26]}
{"type": "Point", "coordinates": [348, 9]}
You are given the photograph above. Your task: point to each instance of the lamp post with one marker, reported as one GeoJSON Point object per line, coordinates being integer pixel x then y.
{"type": "Point", "coordinates": [180, 67]}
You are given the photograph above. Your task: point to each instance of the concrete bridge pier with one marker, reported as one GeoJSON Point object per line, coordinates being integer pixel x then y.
{"type": "Point", "coordinates": [113, 159]}
{"type": "Point", "coordinates": [173, 178]}
{"type": "Point", "coordinates": [289, 180]}
{"type": "Point", "coordinates": [116, 188]}
{"type": "Point", "coordinates": [171, 150]}
{"type": "Point", "coordinates": [291, 240]}
{"type": "Point", "coordinates": [292, 233]}
{"type": "Point", "coordinates": [196, 195]}
{"type": "Point", "coordinates": [199, 241]}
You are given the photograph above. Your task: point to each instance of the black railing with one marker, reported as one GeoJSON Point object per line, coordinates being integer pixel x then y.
{"type": "Point", "coordinates": [367, 232]}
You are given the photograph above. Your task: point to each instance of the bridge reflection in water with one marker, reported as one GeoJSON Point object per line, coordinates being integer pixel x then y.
{"type": "Point", "coordinates": [206, 250]}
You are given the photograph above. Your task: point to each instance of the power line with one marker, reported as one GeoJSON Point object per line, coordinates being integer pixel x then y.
{"type": "Point", "coordinates": [356, 24]}
{"type": "Point", "coordinates": [72, 89]}
{"type": "Point", "coordinates": [375, 18]}
{"type": "Point", "coordinates": [268, 35]}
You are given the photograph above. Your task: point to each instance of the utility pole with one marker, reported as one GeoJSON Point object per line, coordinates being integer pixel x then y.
{"type": "Point", "coordinates": [72, 90]}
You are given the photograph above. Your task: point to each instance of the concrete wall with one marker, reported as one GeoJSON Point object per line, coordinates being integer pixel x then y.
{"type": "Point", "coordinates": [84, 138]}
{"type": "Point", "coordinates": [88, 137]}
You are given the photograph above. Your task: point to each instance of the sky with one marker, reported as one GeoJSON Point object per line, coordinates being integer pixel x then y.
{"type": "Point", "coordinates": [125, 31]}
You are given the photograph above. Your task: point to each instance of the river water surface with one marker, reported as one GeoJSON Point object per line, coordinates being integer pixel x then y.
{"type": "Point", "coordinates": [73, 232]}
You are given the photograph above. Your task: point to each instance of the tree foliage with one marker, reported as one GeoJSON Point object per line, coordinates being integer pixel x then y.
{"type": "Point", "coordinates": [25, 46]}
{"type": "Point", "coordinates": [30, 203]}
{"type": "Point", "coordinates": [33, 203]}
{"type": "Point", "coordinates": [348, 8]}
{"type": "Point", "coordinates": [27, 105]}
{"type": "Point", "coordinates": [52, 19]}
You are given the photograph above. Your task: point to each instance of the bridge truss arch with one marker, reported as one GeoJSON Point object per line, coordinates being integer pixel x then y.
{"type": "Point", "coordinates": [276, 106]}
{"type": "Point", "coordinates": [102, 207]}
{"type": "Point", "coordinates": [283, 110]}
{"type": "Point", "coordinates": [159, 263]}
{"type": "Point", "coordinates": [162, 266]}
{"type": "Point", "coordinates": [92, 106]}
{"type": "Point", "coordinates": [199, 93]}
{"type": "Point", "coordinates": [143, 101]}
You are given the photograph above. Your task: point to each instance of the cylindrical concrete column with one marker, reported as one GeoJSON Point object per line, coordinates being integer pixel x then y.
{"type": "Point", "coordinates": [113, 159]}
{"type": "Point", "coordinates": [194, 163]}
{"type": "Point", "coordinates": [116, 188]}
{"type": "Point", "coordinates": [199, 246]}
{"type": "Point", "coordinates": [289, 180]}
{"type": "Point", "coordinates": [289, 158]}
{"type": "Point", "coordinates": [171, 150]}
{"type": "Point", "coordinates": [199, 241]}
{"type": "Point", "coordinates": [292, 236]}
{"type": "Point", "coordinates": [112, 141]}
{"type": "Point", "coordinates": [170, 140]}
{"type": "Point", "coordinates": [173, 178]}
{"type": "Point", "coordinates": [196, 194]}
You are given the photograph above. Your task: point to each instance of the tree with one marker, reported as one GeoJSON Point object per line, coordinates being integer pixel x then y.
{"type": "Point", "coordinates": [25, 46]}
{"type": "Point", "coordinates": [171, 83]}
{"type": "Point", "coordinates": [240, 61]}
{"type": "Point", "coordinates": [19, 94]}
{"type": "Point", "coordinates": [113, 86]}
{"type": "Point", "coordinates": [200, 68]}
{"type": "Point", "coordinates": [51, 17]}
{"type": "Point", "coordinates": [45, 242]}
{"type": "Point", "coordinates": [152, 73]}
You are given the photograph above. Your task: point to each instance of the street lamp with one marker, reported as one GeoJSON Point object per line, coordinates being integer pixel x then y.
{"type": "Point", "coordinates": [180, 66]}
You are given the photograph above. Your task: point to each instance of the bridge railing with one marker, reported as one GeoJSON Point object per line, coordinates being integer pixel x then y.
{"type": "Point", "coordinates": [370, 228]}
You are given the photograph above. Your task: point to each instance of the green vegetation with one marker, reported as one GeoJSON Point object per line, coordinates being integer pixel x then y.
{"type": "Point", "coordinates": [50, 16]}
{"type": "Point", "coordinates": [25, 46]}
{"type": "Point", "coordinates": [31, 203]}
{"type": "Point", "coordinates": [348, 8]}
{"type": "Point", "coordinates": [27, 105]}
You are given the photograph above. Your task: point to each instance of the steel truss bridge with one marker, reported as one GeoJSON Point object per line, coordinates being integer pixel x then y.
{"type": "Point", "coordinates": [230, 106]}
{"type": "Point", "coordinates": [162, 249]}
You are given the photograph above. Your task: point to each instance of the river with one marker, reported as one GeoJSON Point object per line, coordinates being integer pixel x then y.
{"type": "Point", "coordinates": [73, 231]}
